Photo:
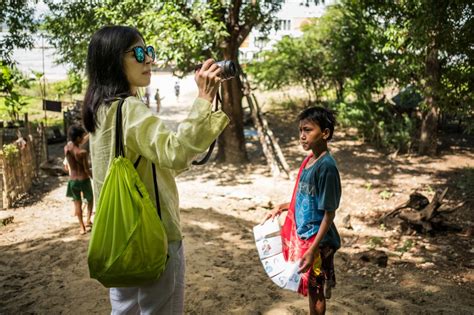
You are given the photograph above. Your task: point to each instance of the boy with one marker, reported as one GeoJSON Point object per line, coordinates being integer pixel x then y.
{"type": "Point", "coordinates": [309, 234]}
{"type": "Point", "coordinates": [79, 174]}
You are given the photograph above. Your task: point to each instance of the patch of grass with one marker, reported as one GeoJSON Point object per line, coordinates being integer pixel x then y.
{"type": "Point", "coordinates": [386, 194]}
{"type": "Point", "coordinates": [429, 189]}
{"type": "Point", "coordinates": [407, 245]}
{"type": "Point", "coordinates": [368, 186]}
{"type": "Point", "coordinates": [374, 242]}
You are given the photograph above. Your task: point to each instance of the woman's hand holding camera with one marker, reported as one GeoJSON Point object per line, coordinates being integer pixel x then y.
{"type": "Point", "coordinates": [207, 79]}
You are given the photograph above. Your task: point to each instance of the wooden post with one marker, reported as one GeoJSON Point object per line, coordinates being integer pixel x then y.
{"type": "Point", "coordinates": [266, 147]}
{"type": "Point", "coordinates": [270, 147]}
{"type": "Point", "coordinates": [273, 140]}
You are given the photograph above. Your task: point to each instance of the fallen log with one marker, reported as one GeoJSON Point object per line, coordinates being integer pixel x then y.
{"type": "Point", "coordinates": [423, 218]}
{"type": "Point", "coordinates": [417, 202]}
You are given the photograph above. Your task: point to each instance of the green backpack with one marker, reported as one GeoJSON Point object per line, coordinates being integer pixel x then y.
{"type": "Point", "coordinates": [128, 245]}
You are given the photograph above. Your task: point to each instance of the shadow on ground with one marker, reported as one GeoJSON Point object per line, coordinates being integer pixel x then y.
{"type": "Point", "coordinates": [225, 276]}
{"type": "Point", "coordinates": [49, 275]}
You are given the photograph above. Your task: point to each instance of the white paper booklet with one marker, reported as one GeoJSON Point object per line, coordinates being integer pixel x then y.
{"type": "Point", "coordinates": [268, 242]}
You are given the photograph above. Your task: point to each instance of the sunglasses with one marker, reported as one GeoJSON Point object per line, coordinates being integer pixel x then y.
{"type": "Point", "coordinates": [140, 52]}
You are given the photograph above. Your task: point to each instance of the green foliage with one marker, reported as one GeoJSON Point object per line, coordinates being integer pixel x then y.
{"type": "Point", "coordinates": [184, 32]}
{"type": "Point", "coordinates": [11, 80]}
{"type": "Point", "coordinates": [368, 186]}
{"type": "Point", "coordinates": [385, 194]}
{"type": "Point", "coordinates": [10, 151]}
{"type": "Point", "coordinates": [18, 17]}
{"type": "Point", "coordinates": [339, 46]}
{"type": "Point", "coordinates": [72, 85]}
{"type": "Point", "coordinates": [351, 39]}
{"type": "Point", "coordinates": [361, 47]}
{"type": "Point", "coordinates": [428, 43]}
{"type": "Point", "coordinates": [374, 242]}
{"type": "Point", "coordinates": [292, 62]}
{"type": "Point", "coordinates": [378, 123]}
{"type": "Point", "coordinates": [407, 245]}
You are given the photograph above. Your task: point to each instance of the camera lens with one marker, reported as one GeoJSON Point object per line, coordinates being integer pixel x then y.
{"type": "Point", "coordinates": [228, 69]}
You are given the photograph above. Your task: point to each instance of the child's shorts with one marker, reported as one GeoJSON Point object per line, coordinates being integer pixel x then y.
{"type": "Point", "coordinates": [322, 274]}
{"type": "Point", "coordinates": [76, 186]}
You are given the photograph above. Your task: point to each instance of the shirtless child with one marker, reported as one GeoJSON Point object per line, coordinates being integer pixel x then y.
{"type": "Point", "coordinates": [79, 175]}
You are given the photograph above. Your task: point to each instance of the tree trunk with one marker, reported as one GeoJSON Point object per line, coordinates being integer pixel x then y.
{"type": "Point", "coordinates": [231, 143]}
{"type": "Point", "coordinates": [429, 132]}
{"type": "Point", "coordinates": [429, 126]}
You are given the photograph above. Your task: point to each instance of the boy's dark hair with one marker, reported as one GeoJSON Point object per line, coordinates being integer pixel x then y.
{"type": "Point", "coordinates": [321, 116]}
{"type": "Point", "coordinates": [105, 70]}
{"type": "Point", "coordinates": [75, 132]}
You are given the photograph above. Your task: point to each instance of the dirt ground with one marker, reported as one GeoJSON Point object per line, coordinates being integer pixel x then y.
{"type": "Point", "coordinates": [43, 263]}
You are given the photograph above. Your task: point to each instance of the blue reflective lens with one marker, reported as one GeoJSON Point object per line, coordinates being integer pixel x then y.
{"type": "Point", "coordinates": [150, 51]}
{"type": "Point", "coordinates": [139, 54]}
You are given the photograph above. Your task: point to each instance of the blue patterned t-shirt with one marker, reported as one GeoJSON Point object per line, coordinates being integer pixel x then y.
{"type": "Point", "coordinates": [319, 190]}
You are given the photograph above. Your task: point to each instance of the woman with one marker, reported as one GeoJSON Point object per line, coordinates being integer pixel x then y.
{"type": "Point", "coordinates": [118, 63]}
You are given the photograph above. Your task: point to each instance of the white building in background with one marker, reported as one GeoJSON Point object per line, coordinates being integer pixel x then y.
{"type": "Point", "coordinates": [293, 15]}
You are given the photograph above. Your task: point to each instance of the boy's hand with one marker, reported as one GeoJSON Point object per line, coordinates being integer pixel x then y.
{"type": "Point", "coordinates": [307, 260]}
{"type": "Point", "coordinates": [275, 212]}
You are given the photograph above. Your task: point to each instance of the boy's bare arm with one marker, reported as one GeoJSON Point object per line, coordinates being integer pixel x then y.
{"type": "Point", "coordinates": [85, 163]}
{"type": "Point", "coordinates": [276, 211]}
{"type": "Point", "coordinates": [308, 258]}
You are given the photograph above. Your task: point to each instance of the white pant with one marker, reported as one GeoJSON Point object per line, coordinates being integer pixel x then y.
{"type": "Point", "coordinates": [164, 297]}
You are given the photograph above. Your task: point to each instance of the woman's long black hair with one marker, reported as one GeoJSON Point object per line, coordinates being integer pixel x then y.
{"type": "Point", "coordinates": [105, 71]}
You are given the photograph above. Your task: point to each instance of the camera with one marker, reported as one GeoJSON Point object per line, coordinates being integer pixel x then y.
{"type": "Point", "coordinates": [228, 69]}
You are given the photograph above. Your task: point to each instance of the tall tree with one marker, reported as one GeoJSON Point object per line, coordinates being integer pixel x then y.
{"type": "Point", "coordinates": [184, 32]}
{"type": "Point", "coordinates": [343, 45]}
{"type": "Point", "coordinates": [18, 17]}
{"type": "Point", "coordinates": [430, 45]}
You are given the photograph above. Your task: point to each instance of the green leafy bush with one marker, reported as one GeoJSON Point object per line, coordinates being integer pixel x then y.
{"type": "Point", "coordinates": [378, 124]}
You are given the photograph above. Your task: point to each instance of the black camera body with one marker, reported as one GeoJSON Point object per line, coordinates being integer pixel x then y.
{"type": "Point", "coordinates": [228, 69]}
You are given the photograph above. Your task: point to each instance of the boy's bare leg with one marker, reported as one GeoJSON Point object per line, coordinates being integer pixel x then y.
{"type": "Point", "coordinates": [90, 205]}
{"type": "Point", "coordinates": [78, 212]}
{"type": "Point", "coordinates": [317, 302]}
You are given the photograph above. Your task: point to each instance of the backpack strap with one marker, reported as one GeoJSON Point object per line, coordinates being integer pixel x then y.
{"type": "Point", "coordinates": [211, 147]}
{"type": "Point", "coordinates": [157, 195]}
{"type": "Point", "coordinates": [120, 151]}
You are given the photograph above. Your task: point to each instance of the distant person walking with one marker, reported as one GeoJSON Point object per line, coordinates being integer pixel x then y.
{"type": "Point", "coordinates": [158, 100]}
{"type": "Point", "coordinates": [147, 96]}
{"type": "Point", "coordinates": [176, 90]}
{"type": "Point", "coordinates": [79, 184]}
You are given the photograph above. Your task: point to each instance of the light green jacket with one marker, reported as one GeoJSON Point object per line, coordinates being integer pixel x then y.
{"type": "Point", "coordinates": [145, 134]}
